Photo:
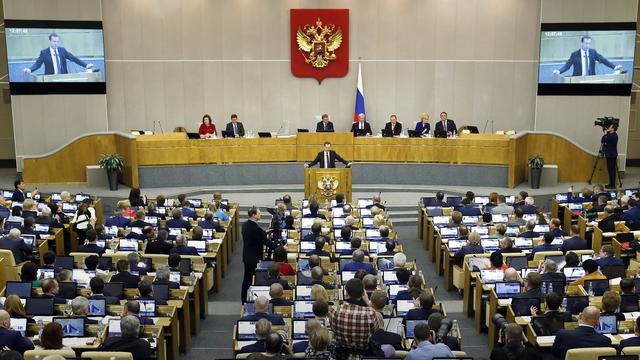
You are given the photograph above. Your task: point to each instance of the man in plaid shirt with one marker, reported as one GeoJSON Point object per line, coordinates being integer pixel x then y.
{"type": "Point", "coordinates": [354, 322]}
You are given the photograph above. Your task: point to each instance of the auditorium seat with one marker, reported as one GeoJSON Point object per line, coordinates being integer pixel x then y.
{"type": "Point", "coordinates": [631, 350]}
{"type": "Point", "coordinates": [99, 355]}
{"type": "Point", "coordinates": [589, 353]}
{"type": "Point", "coordinates": [541, 255]}
{"type": "Point", "coordinates": [39, 354]}
{"type": "Point", "coordinates": [459, 354]}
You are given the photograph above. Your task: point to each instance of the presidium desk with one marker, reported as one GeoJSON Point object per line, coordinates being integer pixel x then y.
{"type": "Point", "coordinates": [165, 160]}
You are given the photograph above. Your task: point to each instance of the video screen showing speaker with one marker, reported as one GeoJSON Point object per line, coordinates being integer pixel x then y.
{"type": "Point", "coordinates": [55, 57]}
{"type": "Point", "coordinates": [586, 58]}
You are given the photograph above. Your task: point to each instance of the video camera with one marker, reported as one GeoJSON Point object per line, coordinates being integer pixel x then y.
{"type": "Point", "coordinates": [501, 323]}
{"type": "Point", "coordinates": [605, 122]}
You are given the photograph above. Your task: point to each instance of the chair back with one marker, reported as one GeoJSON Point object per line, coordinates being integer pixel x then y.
{"type": "Point", "coordinates": [103, 355]}
{"type": "Point", "coordinates": [459, 354]}
{"type": "Point", "coordinates": [589, 353]}
{"type": "Point", "coordinates": [8, 256]}
{"type": "Point", "coordinates": [66, 353]}
{"type": "Point", "coordinates": [613, 271]}
{"type": "Point", "coordinates": [541, 255]}
{"type": "Point", "coordinates": [630, 350]}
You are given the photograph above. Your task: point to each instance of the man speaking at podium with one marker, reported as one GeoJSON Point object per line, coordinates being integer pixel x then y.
{"type": "Point", "coordinates": [327, 158]}
{"type": "Point", "coordinates": [584, 60]}
{"type": "Point", "coordinates": [55, 58]}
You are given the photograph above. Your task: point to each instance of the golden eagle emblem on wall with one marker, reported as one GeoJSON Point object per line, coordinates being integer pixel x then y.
{"type": "Point", "coordinates": [328, 185]}
{"type": "Point", "coordinates": [318, 43]}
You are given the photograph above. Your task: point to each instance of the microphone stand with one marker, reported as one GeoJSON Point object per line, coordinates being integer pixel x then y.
{"type": "Point", "coordinates": [485, 126]}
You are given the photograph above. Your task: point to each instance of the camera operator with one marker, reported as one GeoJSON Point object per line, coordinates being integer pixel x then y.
{"type": "Point", "coordinates": [610, 152]}
{"type": "Point", "coordinates": [423, 344]}
{"type": "Point", "coordinates": [514, 346]}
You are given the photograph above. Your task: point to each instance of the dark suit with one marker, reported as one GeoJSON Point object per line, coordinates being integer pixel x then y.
{"type": "Point", "coordinates": [529, 209]}
{"type": "Point", "coordinates": [554, 276]}
{"type": "Point", "coordinates": [396, 130]}
{"type": "Point", "coordinates": [91, 248]}
{"type": "Point", "coordinates": [581, 337]}
{"type": "Point", "coordinates": [366, 126]}
{"type": "Point", "coordinates": [419, 314]}
{"type": "Point", "coordinates": [281, 302]}
{"type": "Point", "coordinates": [610, 152]}
{"type": "Point", "coordinates": [63, 55]}
{"type": "Point", "coordinates": [240, 128]}
{"type": "Point", "coordinates": [322, 127]}
{"type": "Point", "coordinates": [319, 253]}
{"type": "Point", "coordinates": [258, 347]}
{"type": "Point", "coordinates": [117, 220]}
{"type": "Point", "coordinates": [254, 239]}
{"type": "Point", "coordinates": [333, 156]}
{"type": "Point", "coordinates": [158, 247]}
{"type": "Point", "coordinates": [275, 319]}
{"type": "Point", "coordinates": [575, 60]}
{"type": "Point", "coordinates": [17, 247]}
{"type": "Point", "coordinates": [139, 224]}
{"type": "Point", "coordinates": [468, 250]}
{"type": "Point", "coordinates": [178, 224]}
{"type": "Point", "coordinates": [470, 211]}
{"type": "Point", "coordinates": [606, 261]}
{"type": "Point", "coordinates": [530, 234]}
{"type": "Point", "coordinates": [543, 247]}
{"type": "Point", "coordinates": [633, 341]}
{"type": "Point", "coordinates": [573, 243]}
{"type": "Point", "coordinates": [13, 340]}
{"type": "Point", "coordinates": [520, 353]}
{"type": "Point", "coordinates": [172, 284]}
{"type": "Point", "coordinates": [298, 347]}
{"type": "Point", "coordinates": [139, 348]}
{"type": "Point", "coordinates": [18, 196]}
{"type": "Point", "coordinates": [451, 127]}
{"type": "Point", "coordinates": [184, 250]}
{"type": "Point", "coordinates": [386, 337]}
{"type": "Point", "coordinates": [130, 281]}
{"type": "Point", "coordinates": [205, 224]}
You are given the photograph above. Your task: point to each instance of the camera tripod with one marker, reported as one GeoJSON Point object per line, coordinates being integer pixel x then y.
{"type": "Point", "coordinates": [595, 165]}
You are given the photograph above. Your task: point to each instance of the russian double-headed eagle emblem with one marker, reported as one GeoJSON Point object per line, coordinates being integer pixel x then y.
{"type": "Point", "coordinates": [328, 185]}
{"type": "Point", "coordinates": [319, 42]}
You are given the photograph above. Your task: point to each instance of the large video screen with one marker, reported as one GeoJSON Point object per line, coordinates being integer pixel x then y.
{"type": "Point", "coordinates": [586, 59]}
{"type": "Point", "coordinates": [55, 57]}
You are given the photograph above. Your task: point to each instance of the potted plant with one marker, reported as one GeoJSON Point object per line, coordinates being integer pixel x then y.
{"type": "Point", "coordinates": [536, 163]}
{"type": "Point", "coordinates": [112, 164]}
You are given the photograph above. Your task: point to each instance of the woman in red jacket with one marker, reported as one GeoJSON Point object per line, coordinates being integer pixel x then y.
{"type": "Point", "coordinates": [207, 128]}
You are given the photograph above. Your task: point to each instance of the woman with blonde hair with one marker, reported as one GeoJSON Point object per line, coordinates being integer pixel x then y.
{"type": "Point", "coordinates": [319, 343]}
{"type": "Point", "coordinates": [14, 307]}
{"type": "Point", "coordinates": [423, 127]}
{"type": "Point", "coordinates": [318, 292]}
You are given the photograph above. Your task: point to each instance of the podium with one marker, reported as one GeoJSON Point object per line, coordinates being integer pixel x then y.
{"type": "Point", "coordinates": [614, 78]}
{"type": "Point", "coordinates": [324, 184]}
{"type": "Point", "coordinates": [71, 77]}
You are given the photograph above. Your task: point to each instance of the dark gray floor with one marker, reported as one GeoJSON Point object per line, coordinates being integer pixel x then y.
{"type": "Point", "coordinates": [215, 339]}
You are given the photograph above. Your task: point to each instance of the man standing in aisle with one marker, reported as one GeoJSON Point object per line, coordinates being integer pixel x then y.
{"type": "Point", "coordinates": [254, 239]}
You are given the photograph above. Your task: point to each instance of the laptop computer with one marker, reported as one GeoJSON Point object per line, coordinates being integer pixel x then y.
{"type": "Point", "coordinates": [114, 327]}
{"type": "Point", "coordinates": [517, 262]}
{"type": "Point", "coordinates": [71, 326]}
{"type": "Point", "coordinates": [19, 324]}
{"type": "Point", "coordinates": [403, 307]}
{"type": "Point", "coordinates": [508, 289]}
{"type": "Point", "coordinates": [522, 306]}
{"type": "Point", "coordinates": [414, 134]}
{"type": "Point", "coordinates": [574, 273]}
{"type": "Point", "coordinates": [410, 325]}
{"type": "Point", "coordinates": [39, 306]}
{"type": "Point", "coordinates": [575, 304]}
{"type": "Point", "coordinates": [128, 245]}
{"type": "Point", "coordinates": [200, 245]}
{"type": "Point", "coordinates": [387, 133]}
{"type": "Point", "coordinates": [303, 309]}
{"type": "Point", "coordinates": [97, 307]}
{"type": "Point", "coordinates": [68, 289]}
{"type": "Point", "coordinates": [161, 291]}
{"type": "Point", "coordinates": [114, 289]}
{"type": "Point", "coordinates": [19, 288]}
{"type": "Point", "coordinates": [246, 330]}
{"type": "Point", "coordinates": [45, 274]}
{"type": "Point", "coordinates": [63, 262]}
{"type": "Point", "coordinates": [360, 132]}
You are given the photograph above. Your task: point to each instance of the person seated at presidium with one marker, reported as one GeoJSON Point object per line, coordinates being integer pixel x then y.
{"type": "Point", "coordinates": [445, 127]}
{"type": "Point", "coordinates": [207, 129]}
{"type": "Point", "coordinates": [327, 158]}
{"type": "Point", "coordinates": [325, 125]}
{"type": "Point", "coordinates": [361, 125]}
{"type": "Point", "coordinates": [423, 127]}
{"type": "Point", "coordinates": [235, 127]}
{"type": "Point", "coordinates": [393, 126]}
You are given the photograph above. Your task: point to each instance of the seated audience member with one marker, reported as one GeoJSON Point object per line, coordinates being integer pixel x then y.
{"type": "Point", "coordinates": [152, 210]}
{"type": "Point", "coordinates": [118, 219]}
{"type": "Point", "coordinates": [601, 203]}
{"type": "Point", "coordinates": [550, 272]}
{"type": "Point", "coordinates": [390, 245]}
{"type": "Point", "coordinates": [177, 221]}
{"type": "Point", "coordinates": [501, 230]}
{"type": "Point", "coordinates": [145, 288]}
{"type": "Point", "coordinates": [276, 291]}
{"type": "Point", "coordinates": [518, 220]}
{"type": "Point", "coordinates": [91, 263]}
{"type": "Point", "coordinates": [273, 273]}
{"type": "Point", "coordinates": [16, 245]}
{"type": "Point", "coordinates": [497, 261]}
{"type": "Point", "coordinates": [415, 289]}
{"type": "Point", "coordinates": [384, 233]}
{"type": "Point", "coordinates": [571, 259]}
{"type": "Point", "coordinates": [163, 275]}
{"type": "Point", "coordinates": [218, 211]}
{"type": "Point", "coordinates": [124, 276]}
{"type": "Point", "coordinates": [403, 275]}
{"type": "Point", "coordinates": [321, 311]}
{"type": "Point", "coordinates": [90, 245]}
{"type": "Point", "coordinates": [502, 207]}
{"type": "Point", "coordinates": [80, 307]}
{"type": "Point", "coordinates": [345, 233]}
{"type": "Point", "coordinates": [319, 345]}
{"type": "Point", "coordinates": [128, 341]}
{"type": "Point", "coordinates": [50, 289]}
{"type": "Point", "coordinates": [469, 209]}
{"type": "Point", "coordinates": [263, 329]}
{"type": "Point", "coordinates": [159, 245]}
{"type": "Point", "coordinates": [529, 206]}
{"type": "Point", "coordinates": [49, 258]}
{"type": "Point", "coordinates": [319, 243]}
{"type": "Point", "coordinates": [529, 233]}
{"type": "Point", "coordinates": [316, 231]}
{"type": "Point", "coordinates": [370, 283]}
{"type": "Point", "coordinates": [187, 210]}
{"type": "Point", "coordinates": [12, 339]}
{"type": "Point", "coordinates": [261, 307]}
{"type": "Point", "coordinates": [632, 341]}
{"type": "Point", "coordinates": [555, 229]}
{"type": "Point", "coordinates": [356, 244]}
{"type": "Point", "coordinates": [399, 261]}
{"type": "Point", "coordinates": [456, 219]}
{"type": "Point", "coordinates": [552, 301]}
{"type": "Point", "coordinates": [592, 273]}
{"type": "Point", "coordinates": [132, 307]}
{"type": "Point", "coordinates": [310, 326]}
{"type": "Point", "coordinates": [317, 277]}
{"type": "Point", "coordinates": [319, 293]}
{"type": "Point", "coordinates": [280, 257]}
{"type": "Point", "coordinates": [434, 322]}
{"type": "Point", "coordinates": [611, 303]}
{"type": "Point", "coordinates": [514, 346]}
{"type": "Point", "coordinates": [210, 223]}
{"type": "Point", "coordinates": [139, 221]}
{"type": "Point", "coordinates": [274, 347]}
{"type": "Point", "coordinates": [29, 273]}
{"type": "Point", "coordinates": [314, 207]}
{"type": "Point", "coordinates": [13, 305]}
{"type": "Point", "coordinates": [548, 238]}
{"type": "Point", "coordinates": [426, 346]}
{"type": "Point", "coordinates": [182, 248]}
{"type": "Point", "coordinates": [632, 215]}
{"type": "Point", "coordinates": [473, 247]}
{"type": "Point", "coordinates": [133, 258]}
{"type": "Point", "coordinates": [425, 308]}
{"type": "Point", "coordinates": [16, 215]}
{"type": "Point", "coordinates": [532, 286]}
{"type": "Point", "coordinates": [574, 242]}
{"type": "Point", "coordinates": [357, 263]}
{"type": "Point", "coordinates": [51, 338]}
{"type": "Point", "coordinates": [97, 287]}
{"type": "Point", "coordinates": [607, 224]}
{"type": "Point", "coordinates": [584, 336]}
{"type": "Point", "coordinates": [512, 274]}
{"type": "Point", "coordinates": [27, 227]}
{"type": "Point", "coordinates": [506, 245]}
{"type": "Point", "coordinates": [378, 300]}
{"type": "Point", "coordinates": [607, 257]}
{"type": "Point", "coordinates": [627, 286]}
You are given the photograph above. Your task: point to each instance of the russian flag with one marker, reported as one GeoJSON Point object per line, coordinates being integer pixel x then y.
{"type": "Point", "coordinates": [359, 96]}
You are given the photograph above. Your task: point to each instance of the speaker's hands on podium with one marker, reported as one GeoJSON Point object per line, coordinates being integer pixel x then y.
{"type": "Point", "coordinates": [556, 72]}
{"type": "Point", "coordinates": [349, 164]}
{"type": "Point", "coordinates": [618, 67]}
{"type": "Point", "coordinates": [27, 71]}
{"type": "Point", "coordinates": [306, 165]}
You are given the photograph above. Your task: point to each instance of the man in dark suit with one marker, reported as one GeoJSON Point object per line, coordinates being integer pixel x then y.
{"type": "Point", "coordinates": [261, 306]}
{"type": "Point", "coordinates": [129, 341]}
{"type": "Point", "coordinates": [117, 220]}
{"type": "Point", "coordinates": [325, 125]}
{"type": "Point", "coordinates": [468, 209]}
{"type": "Point", "coordinates": [263, 329]}
{"type": "Point", "coordinates": [12, 339]}
{"type": "Point", "coordinates": [124, 276]}
{"type": "Point", "coordinates": [532, 286]}
{"type": "Point", "coordinates": [159, 245]}
{"type": "Point", "coordinates": [423, 312]}
{"type": "Point", "coordinates": [327, 158]}
{"type": "Point", "coordinates": [390, 245]}
{"type": "Point", "coordinates": [632, 341]}
{"type": "Point", "coordinates": [445, 127]}
{"type": "Point", "coordinates": [55, 58]}
{"type": "Point", "coordinates": [177, 222]}
{"type": "Point", "coordinates": [14, 242]}
{"type": "Point", "coordinates": [393, 126]}
{"type": "Point", "coordinates": [574, 242]}
{"type": "Point", "coordinates": [361, 125]}
{"type": "Point", "coordinates": [552, 301]}
{"type": "Point", "coordinates": [235, 127]}
{"type": "Point", "coordinates": [358, 263]}
{"type": "Point", "coordinates": [145, 288]}
{"type": "Point", "coordinates": [210, 223]}
{"type": "Point", "coordinates": [182, 248]}
{"type": "Point", "coordinates": [317, 277]}
{"type": "Point", "coordinates": [139, 222]}
{"type": "Point", "coordinates": [584, 60]}
{"type": "Point", "coordinates": [316, 231]}
{"type": "Point", "coordinates": [608, 257]}
{"type": "Point", "coordinates": [50, 289]}
{"type": "Point", "coordinates": [610, 151]}
{"type": "Point", "coordinates": [91, 246]}
{"type": "Point", "coordinates": [584, 336]}
{"type": "Point", "coordinates": [276, 291]}
{"type": "Point", "coordinates": [97, 286]}
{"type": "Point", "coordinates": [163, 277]}
{"type": "Point", "coordinates": [18, 192]}
{"type": "Point", "coordinates": [320, 242]}
{"type": "Point", "coordinates": [254, 239]}
{"type": "Point", "coordinates": [545, 246]}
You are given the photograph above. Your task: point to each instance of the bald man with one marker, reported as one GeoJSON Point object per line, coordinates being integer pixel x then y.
{"type": "Point", "coordinates": [261, 306]}
{"type": "Point", "coordinates": [584, 336]}
{"type": "Point", "coordinates": [12, 339]}
{"type": "Point", "coordinates": [276, 291]}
